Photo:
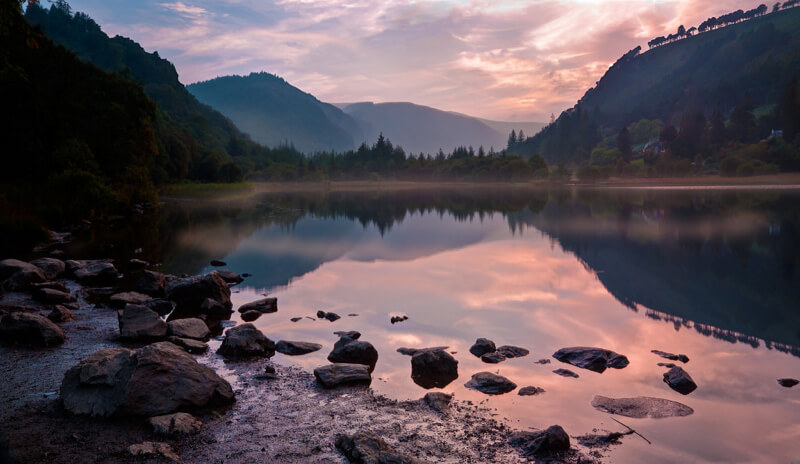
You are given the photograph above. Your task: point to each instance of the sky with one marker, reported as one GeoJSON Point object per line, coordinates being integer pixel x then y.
{"type": "Point", "coordinates": [506, 60]}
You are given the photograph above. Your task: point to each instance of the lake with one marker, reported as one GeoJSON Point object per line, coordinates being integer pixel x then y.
{"type": "Point", "coordinates": [712, 273]}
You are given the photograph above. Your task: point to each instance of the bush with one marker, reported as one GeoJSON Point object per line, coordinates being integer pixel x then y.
{"type": "Point", "coordinates": [729, 166]}
{"type": "Point", "coordinates": [589, 173]}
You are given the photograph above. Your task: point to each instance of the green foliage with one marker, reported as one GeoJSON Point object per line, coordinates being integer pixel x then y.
{"type": "Point", "coordinates": [603, 155]}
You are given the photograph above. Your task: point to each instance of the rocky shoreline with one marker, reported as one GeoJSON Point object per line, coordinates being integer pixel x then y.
{"type": "Point", "coordinates": [94, 372]}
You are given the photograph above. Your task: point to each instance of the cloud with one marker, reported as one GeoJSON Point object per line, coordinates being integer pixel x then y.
{"type": "Point", "coordinates": [502, 59]}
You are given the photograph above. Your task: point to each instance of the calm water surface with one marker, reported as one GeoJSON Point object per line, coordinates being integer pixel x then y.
{"type": "Point", "coordinates": [710, 273]}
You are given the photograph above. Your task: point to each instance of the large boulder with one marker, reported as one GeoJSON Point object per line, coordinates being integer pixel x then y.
{"type": "Point", "coordinates": [119, 300]}
{"type": "Point", "coordinates": [593, 359]}
{"type": "Point", "coordinates": [141, 322]}
{"type": "Point", "coordinates": [680, 380]}
{"type": "Point", "coordinates": [191, 292]}
{"type": "Point", "coordinates": [9, 267]}
{"type": "Point", "coordinates": [159, 305]}
{"type": "Point", "coordinates": [30, 329]}
{"type": "Point", "coordinates": [193, 328]}
{"type": "Point", "coordinates": [51, 267]}
{"type": "Point", "coordinates": [157, 379]}
{"type": "Point", "coordinates": [215, 310]}
{"type": "Point", "coordinates": [296, 348]}
{"type": "Point", "coordinates": [552, 440]}
{"type": "Point", "coordinates": [152, 283]}
{"type": "Point", "coordinates": [264, 305]}
{"type": "Point", "coordinates": [353, 351]}
{"type": "Point", "coordinates": [491, 384]}
{"type": "Point", "coordinates": [365, 447]}
{"type": "Point", "coordinates": [244, 341]}
{"type": "Point", "coordinates": [434, 368]}
{"type": "Point", "coordinates": [482, 346]}
{"type": "Point", "coordinates": [97, 273]}
{"type": "Point", "coordinates": [336, 374]}
{"type": "Point", "coordinates": [24, 280]}
{"type": "Point", "coordinates": [641, 407]}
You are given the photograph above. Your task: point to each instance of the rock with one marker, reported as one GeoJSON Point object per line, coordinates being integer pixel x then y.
{"type": "Point", "coordinates": [482, 346]}
{"type": "Point", "coordinates": [30, 329]}
{"type": "Point", "coordinates": [190, 294]}
{"type": "Point", "coordinates": [179, 423]}
{"type": "Point", "coordinates": [189, 345]}
{"type": "Point", "coordinates": [510, 351]}
{"type": "Point", "coordinates": [24, 280]}
{"type": "Point", "coordinates": [320, 314]}
{"type": "Point", "coordinates": [413, 351]}
{"type": "Point", "coordinates": [119, 300]}
{"type": "Point", "coordinates": [264, 305]}
{"type": "Point", "coordinates": [552, 440]}
{"type": "Point", "coordinates": [667, 365]}
{"type": "Point", "coordinates": [73, 265]}
{"type": "Point", "coordinates": [152, 283]}
{"type": "Point", "coordinates": [491, 384]}
{"type": "Point", "coordinates": [137, 264]}
{"type": "Point", "coordinates": [230, 277]}
{"type": "Point", "coordinates": [367, 448]}
{"type": "Point", "coordinates": [218, 263]}
{"type": "Point", "coordinates": [252, 315]}
{"type": "Point", "coordinates": [294, 319]}
{"type": "Point", "coordinates": [641, 407]}
{"type": "Point", "coordinates": [433, 368]}
{"type": "Point", "coordinates": [493, 358]}
{"type": "Point", "coordinates": [52, 285]}
{"type": "Point", "coordinates": [193, 328]}
{"type": "Point", "coordinates": [349, 350]}
{"type": "Point", "coordinates": [334, 375]}
{"type": "Point", "coordinates": [665, 355]}
{"type": "Point", "coordinates": [683, 358]}
{"type": "Point", "coordinates": [157, 379]}
{"type": "Point", "coordinates": [9, 267]}
{"type": "Point", "coordinates": [788, 383]}
{"type": "Point", "coordinates": [566, 373]}
{"type": "Point", "coordinates": [530, 391]}
{"type": "Point", "coordinates": [332, 316]}
{"type": "Point", "coordinates": [159, 305]}
{"type": "Point", "coordinates": [52, 296]}
{"type": "Point", "coordinates": [296, 348]}
{"type": "Point", "coordinates": [438, 401]}
{"type": "Point", "coordinates": [51, 267]}
{"type": "Point", "coordinates": [152, 448]}
{"type": "Point", "coordinates": [396, 319]}
{"type": "Point", "coordinates": [593, 359]}
{"type": "Point", "coordinates": [97, 273]}
{"type": "Point", "coordinates": [679, 380]}
{"type": "Point", "coordinates": [60, 314]}
{"type": "Point", "coordinates": [141, 322]}
{"type": "Point", "coordinates": [245, 341]}
{"type": "Point", "coordinates": [354, 334]}
{"type": "Point", "coordinates": [542, 361]}
{"type": "Point", "coordinates": [215, 310]}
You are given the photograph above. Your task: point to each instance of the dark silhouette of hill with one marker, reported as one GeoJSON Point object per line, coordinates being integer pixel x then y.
{"type": "Point", "coordinates": [757, 57]}
{"type": "Point", "coordinates": [275, 113]}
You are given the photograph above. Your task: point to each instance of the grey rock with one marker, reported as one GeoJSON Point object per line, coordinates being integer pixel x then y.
{"type": "Point", "coordinates": [566, 373]}
{"type": "Point", "coordinates": [354, 334]}
{"type": "Point", "coordinates": [244, 341]}
{"type": "Point", "coordinates": [24, 280]}
{"type": "Point", "coordinates": [30, 329]}
{"type": "Point", "coordinates": [141, 322]}
{"type": "Point", "coordinates": [191, 293]}
{"type": "Point", "coordinates": [97, 273]}
{"type": "Point", "coordinates": [332, 316]}
{"type": "Point", "coordinates": [159, 305]}
{"type": "Point", "coordinates": [491, 384]}
{"type": "Point", "coordinates": [530, 391]}
{"type": "Point", "coordinates": [251, 315]}
{"type": "Point", "coordinates": [348, 350]}
{"type": "Point", "coordinates": [60, 314]}
{"type": "Point", "coordinates": [510, 351]}
{"type": "Point", "coordinates": [9, 267]}
{"type": "Point", "coordinates": [482, 346]}
{"type": "Point", "coordinates": [667, 365]}
{"type": "Point", "coordinates": [438, 401]}
{"type": "Point", "coordinates": [334, 375]}
{"type": "Point", "coordinates": [493, 358]}
{"type": "Point", "coordinates": [230, 277]}
{"type": "Point", "coordinates": [365, 447]}
{"type": "Point", "coordinates": [680, 380]}
{"type": "Point", "coordinates": [593, 359]}
{"type": "Point", "coordinates": [641, 407]}
{"type": "Point", "coordinates": [433, 368]}
{"type": "Point", "coordinates": [119, 300]}
{"type": "Point", "coordinates": [542, 361]}
{"type": "Point", "coordinates": [179, 423]}
{"type": "Point", "coordinates": [215, 310]}
{"type": "Point", "coordinates": [683, 358]}
{"type": "Point", "coordinates": [52, 296]}
{"type": "Point", "coordinates": [412, 351]}
{"type": "Point", "coordinates": [544, 442]}
{"type": "Point", "coordinates": [98, 384]}
{"type": "Point", "coordinates": [52, 285]}
{"type": "Point", "coordinates": [788, 383]}
{"type": "Point", "coordinates": [189, 345]}
{"type": "Point", "coordinates": [296, 348]}
{"type": "Point", "coordinates": [152, 283]}
{"type": "Point", "coordinates": [193, 328]}
{"type": "Point", "coordinates": [51, 267]}
{"type": "Point", "coordinates": [665, 355]}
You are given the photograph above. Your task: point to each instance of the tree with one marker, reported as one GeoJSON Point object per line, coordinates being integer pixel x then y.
{"type": "Point", "coordinates": [742, 120]}
{"type": "Point", "coordinates": [776, 7]}
{"type": "Point", "coordinates": [717, 131]}
{"type": "Point", "coordinates": [624, 144]}
{"type": "Point", "coordinates": [521, 136]}
{"type": "Point", "coordinates": [512, 139]}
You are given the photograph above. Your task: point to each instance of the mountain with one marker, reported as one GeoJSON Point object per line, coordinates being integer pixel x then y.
{"type": "Point", "coordinates": [195, 138]}
{"type": "Point", "coordinates": [703, 72]}
{"type": "Point", "coordinates": [424, 129]}
{"type": "Point", "coordinates": [274, 112]}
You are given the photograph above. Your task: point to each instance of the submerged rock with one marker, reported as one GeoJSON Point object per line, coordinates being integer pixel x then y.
{"type": "Point", "coordinates": [593, 359]}
{"type": "Point", "coordinates": [542, 361]}
{"type": "Point", "coordinates": [491, 384]}
{"type": "Point", "coordinates": [140, 322]}
{"type": "Point", "coordinates": [296, 348]}
{"type": "Point", "coordinates": [679, 380]}
{"type": "Point", "coordinates": [665, 355]}
{"type": "Point", "coordinates": [566, 373]}
{"type": "Point", "coordinates": [264, 305]}
{"type": "Point", "coordinates": [433, 368]}
{"type": "Point", "coordinates": [350, 350]}
{"type": "Point", "coordinates": [552, 440]}
{"type": "Point", "coordinates": [530, 391]}
{"type": "Point", "coordinates": [438, 401]}
{"type": "Point", "coordinates": [246, 341]}
{"type": "Point", "coordinates": [334, 375]}
{"type": "Point", "coordinates": [482, 346]}
{"type": "Point", "coordinates": [788, 383]}
{"type": "Point", "coordinates": [667, 365]}
{"type": "Point", "coordinates": [179, 423]}
{"type": "Point", "coordinates": [641, 407]}
{"type": "Point", "coordinates": [365, 447]}
{"type": "Point", "coordinates": [30, 329]}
